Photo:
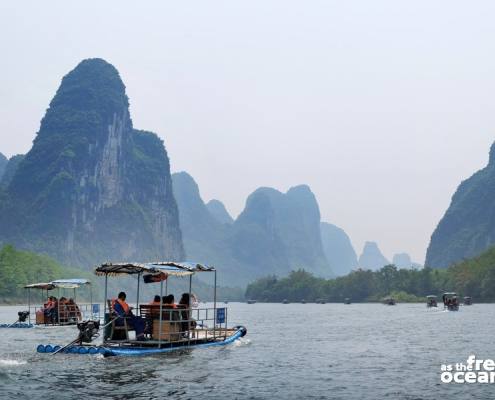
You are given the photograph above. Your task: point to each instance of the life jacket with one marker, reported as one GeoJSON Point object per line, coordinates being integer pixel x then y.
{"type": "Point", "coordinates": [123, 304]}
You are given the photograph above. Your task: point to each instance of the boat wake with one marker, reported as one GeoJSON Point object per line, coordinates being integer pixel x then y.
{"type": "Point", "coordinates": [241, 342]}
{"type": "Point", "coordinates": [11, 363]}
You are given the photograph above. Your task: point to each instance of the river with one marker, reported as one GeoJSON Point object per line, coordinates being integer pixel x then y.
{"type": "Point", "coordinates": [291, 351]}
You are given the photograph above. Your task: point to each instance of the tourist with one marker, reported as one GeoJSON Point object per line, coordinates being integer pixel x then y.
{"type": "Point", "coordinates": [122, 309]}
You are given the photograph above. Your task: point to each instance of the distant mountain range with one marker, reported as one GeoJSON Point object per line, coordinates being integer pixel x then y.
{"type": "Point", "coordinates": [274, 234]}
{"type": "Point", "coordinates": [468, 226]}
{"type": "Point", "coordinates": [93, 188]}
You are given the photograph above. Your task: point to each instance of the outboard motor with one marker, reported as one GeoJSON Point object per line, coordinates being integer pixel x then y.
{"type": "Point", "coordinates": [23, 315]}
{"type": "Point", "coordinates": [88, 330]}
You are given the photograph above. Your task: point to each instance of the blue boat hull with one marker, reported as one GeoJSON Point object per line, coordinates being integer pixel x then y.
{"type": "Point", "coordinates": [17, 325]}
{"type": "Point", "coordinates": [109, 351]}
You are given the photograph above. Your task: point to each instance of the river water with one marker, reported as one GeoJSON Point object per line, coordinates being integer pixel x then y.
{"type": "Point", "coordinates": [292, 351]}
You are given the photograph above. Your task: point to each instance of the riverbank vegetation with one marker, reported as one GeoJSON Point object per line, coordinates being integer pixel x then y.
{"type": "Point", "coordinates": [18, 268]}
{"type": "Point", "coordinates": [475, 277]}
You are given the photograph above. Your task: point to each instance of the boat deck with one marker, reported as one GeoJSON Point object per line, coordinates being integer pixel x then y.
{"type": "Point", "coordinates": [197, 336]}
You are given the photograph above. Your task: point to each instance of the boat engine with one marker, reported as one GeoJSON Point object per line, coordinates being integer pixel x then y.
{"type": "Point", "coordinates": [88, 330]}
{"type": "Point", "coordinates": [23, 315]}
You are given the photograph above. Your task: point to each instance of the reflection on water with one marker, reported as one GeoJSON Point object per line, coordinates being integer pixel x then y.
{"type": "Point", "coordinates": [293, 351]}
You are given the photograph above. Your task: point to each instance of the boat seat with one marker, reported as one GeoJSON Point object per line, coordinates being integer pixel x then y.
{"type": "Point", "coordinates": [151, 313]}
{"type": "Point", "coordinates": [118, 332]}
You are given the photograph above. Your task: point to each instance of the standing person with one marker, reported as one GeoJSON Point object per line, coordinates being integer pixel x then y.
{"type": "Point", "coordinates": [122, 309]}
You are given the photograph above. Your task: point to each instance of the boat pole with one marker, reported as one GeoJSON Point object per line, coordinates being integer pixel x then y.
{"type": "Point", "coordinates": [105, 305]}
{"type": "Point", "coordinates": [91, 300]}
{"type": "Point", "coordinates": [137, 295]}
{"type": "Point", "coordinates": [160, 320]}
{"type": "Point", "coordinates": [215, 307]}
{"type": "Point", "coordinates": [189, 314]}
{"type": "Point", "coordinates": [29, 305]}
{"type": "Point", "coordinates": [58, 306]}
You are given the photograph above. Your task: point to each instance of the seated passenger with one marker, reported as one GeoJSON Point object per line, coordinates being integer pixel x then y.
{"type": "Point", "coordinates": [188, 323]}
{"type": "Point", "coordinates": [73, 309]}
{"type": "Point", "coordinates": [51, 309]}
{"type": "Point", "coordinates": [156, 301]}
{"type": "Point", "coordinates": [169, 301]}
{"type": "Point", "coordinates": [63, 309]}
{"type": "Point", "coordinates": [122, 309]}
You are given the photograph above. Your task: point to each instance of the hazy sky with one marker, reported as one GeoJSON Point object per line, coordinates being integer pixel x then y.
{"type": "Point", "coordinates": [382, 107]}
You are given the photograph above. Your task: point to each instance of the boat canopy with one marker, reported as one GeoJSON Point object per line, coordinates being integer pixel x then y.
{"type": "Point", "coordinates": [44, 286]}
{"type": "Point", "coordinates": [467, 297]}
{"type": "Point", "coordinates": [70, 283]}
{"type": "Point", "coordinates": [450, 294]}
{"type": "Point", "coordinates": [59, 283]}
{"type": "Point", "coordinates": [169, 268]}
{"type": "Point", "coordinates": [431, 296]}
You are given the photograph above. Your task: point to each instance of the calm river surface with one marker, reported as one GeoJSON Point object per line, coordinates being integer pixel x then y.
{"type": "Point", "coordinates": [293, 351]}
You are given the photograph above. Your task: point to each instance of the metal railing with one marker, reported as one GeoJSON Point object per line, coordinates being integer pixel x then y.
{"type": "Point", "coordinates": [178, 325]}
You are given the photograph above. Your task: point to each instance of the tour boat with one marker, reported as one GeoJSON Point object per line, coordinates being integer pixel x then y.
{"type": "Point", "coordinates": [431, 301]}
{"type": "Point", "coordinates": [450, 301]}
{"type": "Point", "coordinates": [167, 327]}
{"type": "Point", "coordinates": [389, 301]}
{"type": "Point", "coordinates": [347, 300]}
{"type": "Point", "coordinates": [468, 301]}
{"type": "Point", "coordinates": [59, 313]}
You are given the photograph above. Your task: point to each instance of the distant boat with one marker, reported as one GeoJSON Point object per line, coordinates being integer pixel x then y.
{"type": "Point", "coordinates": [347, 300]}
{"type": "Point", "coordinates": [285, 301]}
{"type": "Point", "coordinates": [251, 301]}
{"type": "Point", "coordinates": [303, 301]}
{"type": "Point", "coordinates": [389, 301]}
{"type": "Point", "coordinates": [320, 301]}
{"type": "Point", "coordinates": [450, 301]}
{"type": "Point", "coordinates": [431, 301]}
{"type": "Point", "coordinates": [468, 301]}
{"type": "Point", "coordinates": [226, 302]}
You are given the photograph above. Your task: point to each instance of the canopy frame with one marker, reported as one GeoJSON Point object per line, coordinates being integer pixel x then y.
{"type": "Point", "coordinates": [172, 268]}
